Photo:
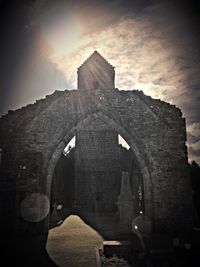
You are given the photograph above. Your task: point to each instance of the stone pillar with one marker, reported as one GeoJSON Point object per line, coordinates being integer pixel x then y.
{"type": "Point", "coordinates": [126, 201]}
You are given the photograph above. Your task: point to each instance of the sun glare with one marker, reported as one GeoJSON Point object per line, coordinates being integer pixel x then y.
{"type": "Point", "coordinates": [63, 35]}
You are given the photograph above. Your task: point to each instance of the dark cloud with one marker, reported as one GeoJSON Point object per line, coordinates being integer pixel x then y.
{"type": "Point", "coordinates": [18, 43]}
{"type": "Point", "coordinates": [191, 139]}
{"type": "Point", "coordinates": [195, 152]}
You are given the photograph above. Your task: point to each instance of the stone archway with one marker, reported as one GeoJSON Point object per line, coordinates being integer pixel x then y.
{"type": "Point", "coordinates": [148, 192]}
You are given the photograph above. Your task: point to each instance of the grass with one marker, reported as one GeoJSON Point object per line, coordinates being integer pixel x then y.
{"type": "Point", "coordinates": [73, 243]}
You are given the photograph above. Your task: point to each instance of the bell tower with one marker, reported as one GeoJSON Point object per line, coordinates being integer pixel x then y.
{"type": "Point", "coordinates": [96, 73]}
{"type": "Point", "coordinates": [97, 166]}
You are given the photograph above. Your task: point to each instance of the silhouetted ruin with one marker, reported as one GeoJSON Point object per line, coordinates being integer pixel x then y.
{"type": "Point", "coordinates": [32, 140]}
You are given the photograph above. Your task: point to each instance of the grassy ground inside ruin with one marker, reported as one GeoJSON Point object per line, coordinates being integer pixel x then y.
{"type": "Point", "coordinates": [73, 243]}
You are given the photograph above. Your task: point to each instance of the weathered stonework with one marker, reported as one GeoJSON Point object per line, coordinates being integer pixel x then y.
{"type": "Point", "coordinates": [32, 140]}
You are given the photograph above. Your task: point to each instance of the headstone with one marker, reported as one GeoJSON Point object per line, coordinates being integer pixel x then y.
{"type": "Point", "coordinates": [118, 248]}
{"type": "Point", "coordinates": [126, 201]}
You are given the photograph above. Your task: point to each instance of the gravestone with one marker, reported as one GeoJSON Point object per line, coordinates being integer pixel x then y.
{"type": "Point", "coordinates": [125, 201]}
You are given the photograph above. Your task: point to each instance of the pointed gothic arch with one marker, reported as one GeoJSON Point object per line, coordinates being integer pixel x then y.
{"type": "Point", "coordinates": [141, 156]}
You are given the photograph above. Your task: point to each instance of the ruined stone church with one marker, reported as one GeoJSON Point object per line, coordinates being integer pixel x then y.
{"type": "Point", "coordinates": [98, 173]}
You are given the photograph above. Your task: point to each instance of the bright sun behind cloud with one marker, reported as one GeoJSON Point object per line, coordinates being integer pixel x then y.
{"type": "Point", "coordinates": [63, 34]}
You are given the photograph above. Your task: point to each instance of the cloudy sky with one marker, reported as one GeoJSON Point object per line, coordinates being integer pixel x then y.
{"type": "Point", "coordinates": [153, 44]}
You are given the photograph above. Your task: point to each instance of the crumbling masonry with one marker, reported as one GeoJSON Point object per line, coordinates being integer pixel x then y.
{"type": "Point", "coordinates": [32, 140]}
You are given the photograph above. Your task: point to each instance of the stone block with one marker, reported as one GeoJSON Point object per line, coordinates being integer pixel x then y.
{"type": "Point", "coordinates": [118, 248]}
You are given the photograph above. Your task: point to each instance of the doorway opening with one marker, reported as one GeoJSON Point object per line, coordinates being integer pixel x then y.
{"type": "Point", "coordinates": [87, 178]}
{"type": "Point", "coordinates": [86, 185]}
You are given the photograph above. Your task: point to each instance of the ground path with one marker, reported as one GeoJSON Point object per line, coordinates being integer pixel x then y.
{"type": "Point", "coordinates": [73, 243]}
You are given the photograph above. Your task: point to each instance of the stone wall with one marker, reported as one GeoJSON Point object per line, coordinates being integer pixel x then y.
{"type": "Point", "coordinates": [99, 185]}
{"type": "Point", "coordinates": [97, 167]}
{"type": "Point", "coordinates": [155, 131]}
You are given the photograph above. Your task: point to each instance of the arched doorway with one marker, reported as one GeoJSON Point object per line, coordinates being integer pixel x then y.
{"type": "Point", "coordinates": [105, 224]}
{"type": "Point", "coordinates": [141, 184]}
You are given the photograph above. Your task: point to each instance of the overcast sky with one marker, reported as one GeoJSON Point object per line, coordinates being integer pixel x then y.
{"type": "Point", "coordinates": [154, 46]}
